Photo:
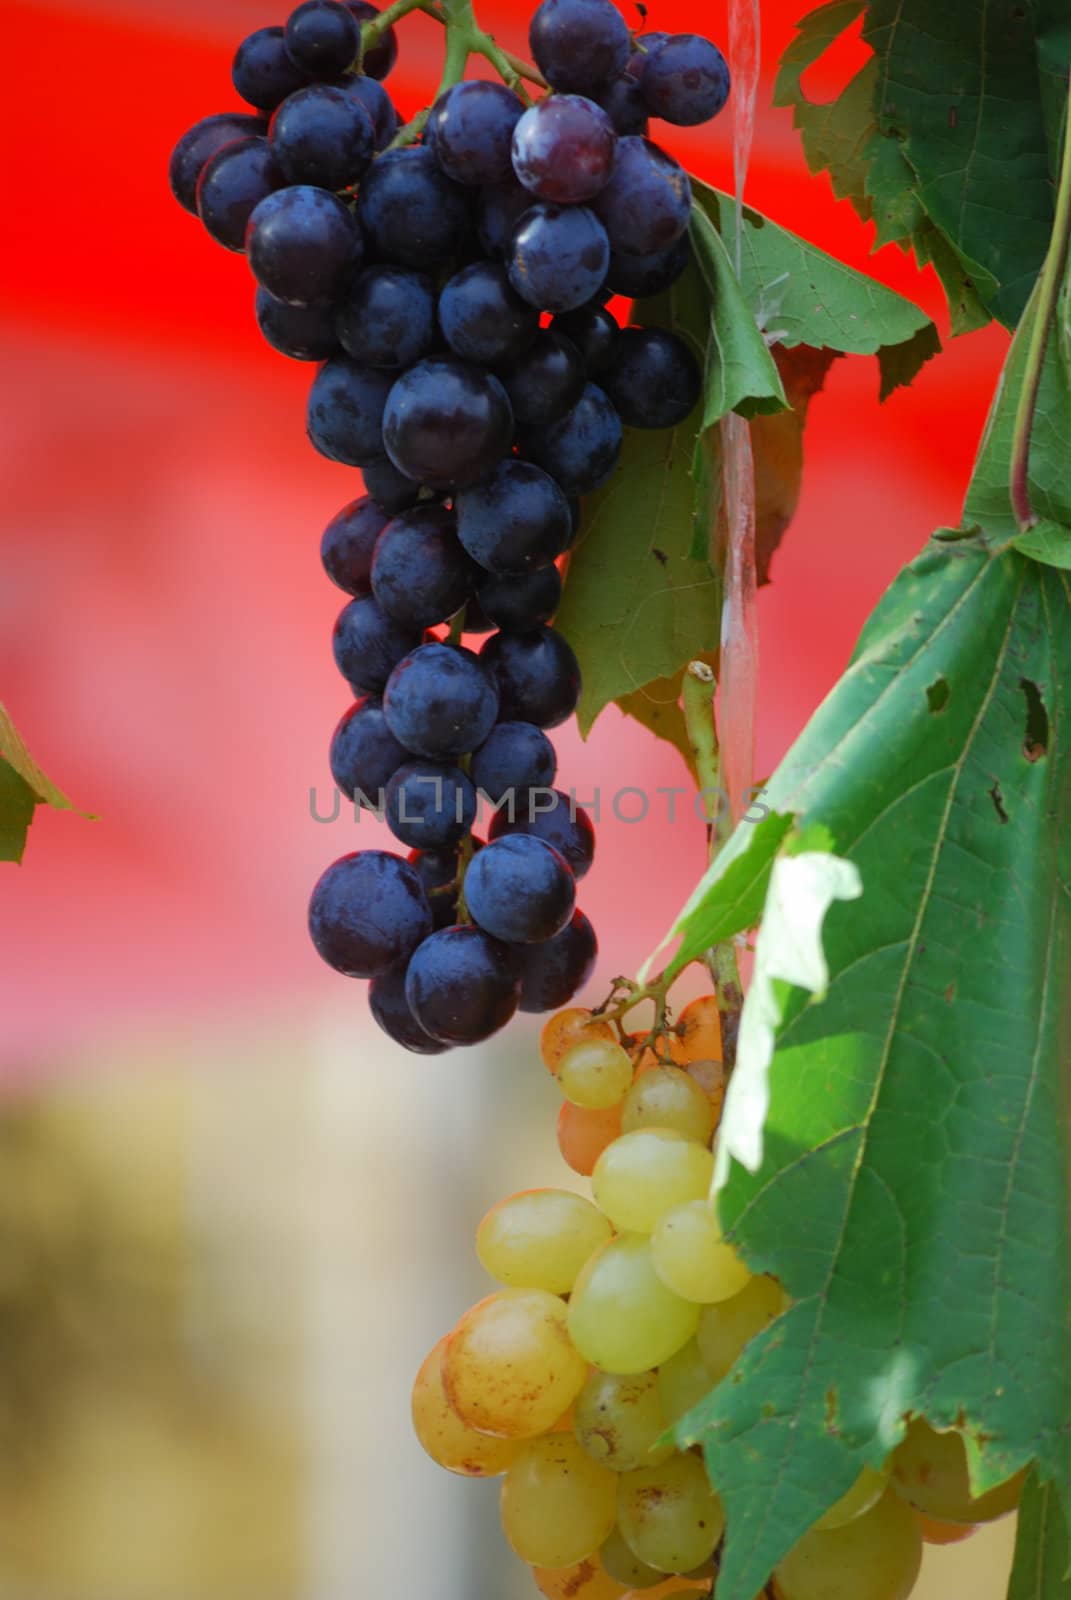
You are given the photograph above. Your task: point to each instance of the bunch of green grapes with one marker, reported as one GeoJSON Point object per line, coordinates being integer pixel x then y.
{"type": "Point", "coordinates": [615, 1316]}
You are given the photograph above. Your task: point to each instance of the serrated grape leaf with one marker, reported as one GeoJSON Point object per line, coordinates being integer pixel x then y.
{"type": "Point", "coordinates": [801, 296]}
{"type": "Point", "coordinates": [1042, 1550]}
{"type": "Point", "coordinates": [788, 952]}
{"type": "Point", "coordinates": [17, 802]}
{"type": "Point", "coordinates": [740, 372]}
{"type": "Point", "coordinates": [636, 606]}
{"type": "Point", "coordinates": [777, 449]}
{"type": "Point", "coordinates": [913, 1191]}
{"type": "Point", "coordinates": [835, 134]}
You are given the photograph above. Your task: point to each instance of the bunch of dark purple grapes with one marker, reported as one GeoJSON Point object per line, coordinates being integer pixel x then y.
{"type": "Point", "coordinates": [455, 290]}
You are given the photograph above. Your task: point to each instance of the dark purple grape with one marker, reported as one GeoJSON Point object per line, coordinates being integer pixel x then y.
{"type": "Point", "coordinates": [390, 488]}
{"type": "Point", "coordinates": [643, 45]}
{"type": "Point", "coordinates": [581, 449]}
{"type": "Point", "coordinates": [364, 754]}
{"type": "Point", "coordinates": [390, 1010]}
{"type": "Point", "coordinates": [483, 319]}
{"type": "Point", "coordinates": [579, 45]}
{"type": "Point", "coordinates": [556, 818]}
{"type": "Point", "coordinates": [412, 213]}
{"type": "Point", "coordinates": [520, 890]}
{"type": "Point", "coordinates": [345, 411]}
{"type": "Point", "coordinates": [648, 200]}
{"type": "Point", "coordinates": [368, 912]}
{"type": "Point", "coordinates": [461, 987]}
{"type": "Point", "coordinates": [368, 645]}
{"type": "Point", "coordinates": [548, 379]}
{"type": "Point", "coordinates": [593, 330]}
{"type": "Point", "coordinates": [515, 757]}
{"type": "Point", "coordinates": [439, 871]}
{"type": "Point", "coordinates": [440, 702]}
{"type": "Point", "coordinates": [388, 317]}
{"type": "Point", "coordinates": [303, 244]}
{"type": "Point", "coordinates": [347, 544]}
{"type": "Point", "coordinates": [447, 424]}
{"type": "Point", "coordinates": [377, 102]}
{"type": "Point", "coordinates": [653, 378]}
{"type": "Point", "coordinates": [322, 135]}
{"type": "Point", "coordinates": [519, 604]}
{"type": "Point", "coordinates": [304, 333]}
{"type": "Point", "coordinates": [514, 520]}
{"type": "Point", "coordinates": [537, 675]}
{"type": "Point", "coordinates": [501, 205]}
{"type": "Point", "coordinates": [625, 106]}
{"type": "Point", "coordinates": [430, 805]}
{"type": "Point", "coordinates": [685, 80]}
{"type": "Point", "coordinates": [563, 148]}
{"type": "Point", "coordinates": [199, 143]}
{"type": "Point", "coordinates": [420, 573]}
{"type": "Point", "coordinates": [553, 972]}
{"type": "Point", "coordinates": [475, 621]}
{"type": "Point", "coordinates": [378, 61]}
{"type": "Point", "coordinates": [558, 256]}
{"type": "Point", "coordinates": [470, 129]}
{"type": "Point", "coordinates": [640, 276]}
{"type": "Point", "coordinates": [322, 37]}
{"type": "Point", "coordinates": [232, 184]}
{"type": "Point", "coordinates": [264, 72]}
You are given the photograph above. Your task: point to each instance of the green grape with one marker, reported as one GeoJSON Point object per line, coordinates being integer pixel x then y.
{"type": "Point", "coordinates": [865, 1492]}
{"type": "Point", "coordinates": [622, 1317]}
{"type": "Point", "coordinates": [540, 1239]}
{"type": "Point", "coordinates": [876, 1557]}
{"type": "Point", "coordinates": [619, 1421]}
{"type": "Point", "coordinates": [725, 1328]}
{"type": "Point", "coordinates": [595, 1074]}
{"type": "Point", "coordinates": [619, 1563]}
{"type": "Point", "coordinates": [692, 1258]}
{"type": "Point", "coordinates": [669, 1515]}
{"type": "Point", "coordinates": [930, 1470]}
{"type": "Point", "coordinates": [445, 1437]}
{"type": "Point", "coordinates": [557, 1504]}
{"type": "Point", "coordinates": [683, 1381]}
{"type": "Point", "coordinates": [643, 1174]}
{"type": "Point", "coordinates": [509, 1367]}
{"type": "Point", "coordinates": [666, 1097]}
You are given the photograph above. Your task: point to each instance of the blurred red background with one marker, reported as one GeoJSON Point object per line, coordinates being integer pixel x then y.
{"type": "Point", "coordinates": [164, 622]}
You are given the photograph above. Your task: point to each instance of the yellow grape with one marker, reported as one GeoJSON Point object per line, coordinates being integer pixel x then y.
{"type": "Point", "coordinates": [618, 1560]}
{"type": "Point", "coordinates": [669, 1515]}
{"type": "Point", "coordinates": [583, 1135]}
{"type": "Point", "coordinates": [567, 1028]}
{"type": "Point", "coordinates": [699, 1030]}
{"type": "Point", "coordinates": [447, 1440]}
{"type": "Point", "coordinates": [584, 1580]}
{"type": "Point", "coordinates": [876, 1557]}
{"type": "Point", "coordinates": [557, 1504]}
{"type": "Point", "coordinates": [934, 1532]}
{"type": "Point", "coordinates": [865, 1492]}
{"type": "Point", "coordinates": [666, 1097]}
{"type": "Point", "coordinates": [643, 1174]}
{"type": "Point", "coordinates": [619, 1420]}
{"type": "Point", "coordinates": [724, 1329]}
{"type": "Point", "coordinates": [540, 1239]}
{"type": "Point", "coordinates": [622, 1317]}
{"type": "Point", "coordinates": [509, 1367]}
{"type": "Point", "coordinates": [930, 1470]}
{"type": "Point", "coordinates": [595, 1074]}
{"type": "Point", "coordinates": [692, 1258]}
{"type": "Point", "coordinates": [683, 1381]}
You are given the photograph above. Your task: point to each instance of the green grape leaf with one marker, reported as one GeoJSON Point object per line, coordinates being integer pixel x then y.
{"type": "Point", "coordinates": [801, 296]}
{"type": "Point", "coordinates": [17, 803]}
{"type": "Point", "coordinates": [1046, 541]}
{"type": "Point", "coordinates": [741, 375]}
{"type": "Point", "coordinates": [637, 607]}
{"type": "Point", "coordinates": [658, 707]}
{"type": "Point", "coordinates": [914, 1153]}
{"type": "Point", "coordinates": [835, 135]}
{"type": "Point", "coordinates": [1042, 1567]}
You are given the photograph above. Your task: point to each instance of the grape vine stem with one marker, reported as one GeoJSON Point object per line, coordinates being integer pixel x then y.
{"type": "Point", "coordinates": [1052, 274]}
